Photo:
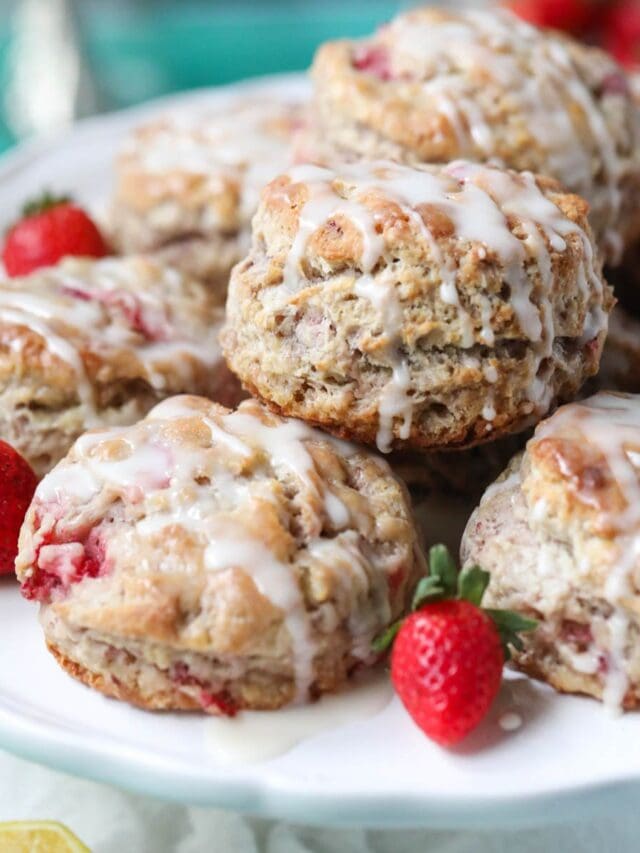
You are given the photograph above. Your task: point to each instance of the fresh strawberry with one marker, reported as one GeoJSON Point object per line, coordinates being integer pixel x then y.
{"type": "Point", "coordinates": [573, 16]}
{"type": "Point", "coordinates": [50, 229]}
{"type": "Point", "coordinates": [621, 36]}
{"type": "Point", "coordinates": [447, 659]}
{"type": "Point", "coordinates": [17, 485]}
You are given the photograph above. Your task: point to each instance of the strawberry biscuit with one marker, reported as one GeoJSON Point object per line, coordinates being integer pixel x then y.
{"type": "Point", "coordinates": [89, 343]}
{"type": "Point", "coordinates": [560, 535]}
{"type": "Point", "coordinates": [187, 183]}
{"type": "Point", "coordinates": [216, 560]}
{"type": "Point", "coordinates": [417, 308]}
{"type": "Point", "coordinates": [436, 85]}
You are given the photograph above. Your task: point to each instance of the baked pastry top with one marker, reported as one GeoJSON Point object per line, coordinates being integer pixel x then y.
{"type": "Point", "coordinates": [560, 535]}
{"type": "Point", "coordinates": [214, 559]}
{"type": "Point", "coordinates": [435, 85]}
{"type": "Point", "coordinates": [416, 307]}
{"type": "Point", "coordinates": [88, 343]}
{"type": "Point", "coordinates": [187, 183]}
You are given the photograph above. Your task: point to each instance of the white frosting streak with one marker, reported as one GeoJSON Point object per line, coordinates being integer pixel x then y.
{"type": "Point", "coordinates": [249, 142]}
{"type": "Point", "coordinates": [539, 76]}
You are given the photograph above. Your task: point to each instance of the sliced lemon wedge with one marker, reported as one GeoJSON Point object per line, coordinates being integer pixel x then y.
{"type": "Point", "coordinates": [39, 836]}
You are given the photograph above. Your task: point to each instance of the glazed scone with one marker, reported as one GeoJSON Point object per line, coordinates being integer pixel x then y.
{"type": "Point", "coordinates": [217, 560]}
{"type": "Point", "coordinates": [428, 307]}
{"type": "Point", "coordinates": [560, 535]}
{"type": "Point", "coordinates": [89, 343]}
{"type": "Point", "coordinates": [436, 85]}
{"type": "Point", "coordinates": [187, 184]}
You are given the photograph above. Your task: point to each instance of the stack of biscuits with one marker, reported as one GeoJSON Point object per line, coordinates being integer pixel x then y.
{"type": "Point", "coordinates": [412, 264]}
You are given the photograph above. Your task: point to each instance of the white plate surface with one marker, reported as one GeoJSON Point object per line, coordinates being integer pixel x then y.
{"type": "Point", "coordinates": [568, 758]}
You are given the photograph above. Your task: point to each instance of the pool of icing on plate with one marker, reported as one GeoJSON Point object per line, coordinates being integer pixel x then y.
{"type": "Point", "coordinates": [254, 736]}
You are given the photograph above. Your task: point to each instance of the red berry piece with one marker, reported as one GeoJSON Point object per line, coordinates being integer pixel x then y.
{"type": "Point", "coordinates": [616, 83]}
{"type": "Point", "coordinates": [374, 60]}
{"type": "Point", "coordinates": [150, 324]}
{"type": "Point", "coordinates": [17, 485]}
{"type": "Point", "coordinates": [573, 16]}
{"type": "Point", "coordinates": [219, 703]}
{"type": "Point", "coordinates": [51, 229]}
{"type": "Point", "coordinates": [621, 35]}
{"type": "Point", "coordinates": [447, 659]}
{"type": "Point", "coordinates": [62, 561]}
{"type": "Point", "coordinates": [446, 667]}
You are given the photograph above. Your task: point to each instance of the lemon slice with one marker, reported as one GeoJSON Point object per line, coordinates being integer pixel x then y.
{"type": "Point", "coordinates": [39, 836]}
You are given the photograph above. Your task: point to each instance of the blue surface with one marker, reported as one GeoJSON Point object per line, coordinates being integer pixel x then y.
{"type": "Point", "coordinates": [141, 50]}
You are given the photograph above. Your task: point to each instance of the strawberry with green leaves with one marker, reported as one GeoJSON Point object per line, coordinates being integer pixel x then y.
{"type": "Point", "coordinates": [51, 228]}
{"type": "Point", "coordinates": [448, 655]}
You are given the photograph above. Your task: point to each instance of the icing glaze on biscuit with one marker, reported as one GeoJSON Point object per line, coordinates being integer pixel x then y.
{"type": "Point", "coordinates": [224, 481]}
{"type": "Point", "coordinates": [482, 206]}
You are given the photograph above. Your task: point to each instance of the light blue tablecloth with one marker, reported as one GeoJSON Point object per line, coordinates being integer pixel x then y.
{"type": "Point", "coordinates": [110, 821]}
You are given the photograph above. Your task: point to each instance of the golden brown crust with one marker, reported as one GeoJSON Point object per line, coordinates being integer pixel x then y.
{"type": "Point", "coordinates": [164, 700]}
{"type": "Point", "coordinates": [241, 695]}
{"type": "Point", "coordinates": [542, 664]}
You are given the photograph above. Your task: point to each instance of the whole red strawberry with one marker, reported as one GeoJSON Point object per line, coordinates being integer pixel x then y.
{"type": "Point", "coordinates": [446, 667]}
{"type": "Point", "coordinates": [621, 36]}
{"type": "Point", "coordinates": [50, 229]}
{"type": "Point", "coordinates": [447, 659]}
{"type": "Point", "coordinates": [17, 485]}
{"type": "Point", "coordinates": [573, 16]}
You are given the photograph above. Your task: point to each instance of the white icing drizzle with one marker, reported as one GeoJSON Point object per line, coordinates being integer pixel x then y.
{"type": "Point", "coordinates": [610, 422]}
{"type": "Point", "coordinates": [248, 141]}
{"type": "Point", "coordinates": [59, 347]}
{"type": "Point", "coordinates": [510, 721]}
{"type": "Point", "coordinates": [477, 199]}
{"type": "Point", "coordinates": [275, 580]}
{"type": "Point", "coordinates": [537, 71]}
{"type": "Point", "coordinates": [285, 446]}
{"type": "Point", "coordinates": [157, 474]}
{"type": "Point", "coordinates": [79, 307]}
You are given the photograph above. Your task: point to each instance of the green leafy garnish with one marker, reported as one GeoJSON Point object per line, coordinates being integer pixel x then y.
{"type": "Point", "coordinates": [445, 582]}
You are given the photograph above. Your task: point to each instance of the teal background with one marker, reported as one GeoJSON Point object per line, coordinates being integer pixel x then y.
{"type": "Point", "coordinates": [139, 50]}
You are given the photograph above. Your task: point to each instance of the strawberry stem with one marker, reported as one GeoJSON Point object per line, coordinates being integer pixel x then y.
{"type": "Point", "coordinates": [445, 581]}
{"type": "Point", "coordinates": [45, 201]}
{"type": "Point", "coordinates": [472, 583]}
{"type": "Point", "coordinates": [385, 640]}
